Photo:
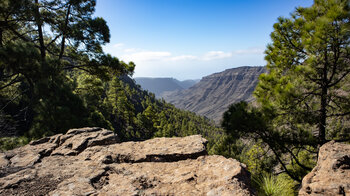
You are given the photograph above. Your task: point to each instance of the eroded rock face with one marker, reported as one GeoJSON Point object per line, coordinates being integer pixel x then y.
{"type": "Point", "coordinates": [90, 161]}
{"type": "Point", "coordinates": [331, 176]}
{"type": "Point", "coordinates": [213, 94]}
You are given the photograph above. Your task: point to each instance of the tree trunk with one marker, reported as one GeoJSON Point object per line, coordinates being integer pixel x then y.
{"type": "Point", "coordinates": [40, 31]}
{"type": "Point", "coordinates": [323, 117]}
{"type": "Point", "coordinates": [1, 37]}
{"type": "Point", "coordinates": [64, 33]}
{"type": "Point", "coordinates": [323, 110]}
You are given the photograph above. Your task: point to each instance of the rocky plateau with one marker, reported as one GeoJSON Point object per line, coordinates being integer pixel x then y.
{"type": "Point", "coordinates": [92, 161]}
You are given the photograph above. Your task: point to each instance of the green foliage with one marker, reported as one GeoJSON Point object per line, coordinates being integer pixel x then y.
{"type": "Point", "coordinates": [57, 110]}
{"type": "Point", "coordinates": [303, 99]}
{"type": "Point", "coordinates": [237, 121]}
{"type": "Point", "coordinates": [64, 79]}
{"type": "Point", "coordinates": [305, 158]}
{"type": "Point", "coordinates": [228, 146]}
{"type": "Point", "coordinates": [255, 156]}
{"type": "Point", "coordinates": [308, 64]}
{"type": "Point", "coordinates": [8, 143]}
{"type": "Point", "coordinates": [269, 147]}
{"type": "Point", "coordinates": [270, 185]}
{"type": "Point", "coordinates": [39, 92]}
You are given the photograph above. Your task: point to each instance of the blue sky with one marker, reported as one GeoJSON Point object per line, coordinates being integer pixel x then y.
{"type": "Point", "coordinates": [189, 39]}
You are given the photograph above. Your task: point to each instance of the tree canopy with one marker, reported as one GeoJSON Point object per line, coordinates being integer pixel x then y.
{"type": "Point", "coordinates": [55, 76]}
{"type": "Point", "coordinates": [43, 43]}
{"type": "Point", "coordinates": [307, 86]}
{"type": "Point", "coordinates": [303, 100]}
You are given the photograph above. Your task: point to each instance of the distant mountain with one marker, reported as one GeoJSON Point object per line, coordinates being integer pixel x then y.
{"type": "Point", "coordinates": [213, 94]}
{"type": "Point", "coordinates": [160, 85]}
{"type": "Point", "coordinates": [187, 83]}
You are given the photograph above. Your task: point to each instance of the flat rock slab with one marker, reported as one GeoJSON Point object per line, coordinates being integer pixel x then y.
{"type": "Point", "coordinates": [90, 161]}
{"type": "Point", "coordinates": [154, 150]}
{"type": "Point", "coordinates": [331, 176]}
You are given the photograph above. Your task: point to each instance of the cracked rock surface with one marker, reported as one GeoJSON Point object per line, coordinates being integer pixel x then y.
{"type": "Point", "coordinates": [91, 161]}
{"type": "Point", "coordinates": [331, 176]}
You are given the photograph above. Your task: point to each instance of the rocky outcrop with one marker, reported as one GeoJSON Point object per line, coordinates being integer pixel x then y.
{"type": "Point", "coordinates": [213, 94]}
{"type": "Point", "coordinates": [91, 161]}
{"type": "Point", "coordinates": [331, 176]}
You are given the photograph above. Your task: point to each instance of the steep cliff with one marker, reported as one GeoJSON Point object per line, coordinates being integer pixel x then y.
{"type": "Point", "coordinates": [215, 93]}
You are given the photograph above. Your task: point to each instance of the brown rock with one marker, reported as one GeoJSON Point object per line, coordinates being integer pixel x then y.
{"type": "Point", "coordinates": [4, 162]}
{"type": "Point", "coordinates": [155, 150]}
{"type": "Point", "coordinates": [78, 164]}
{"type": "Point", "coordinates": [331, 176]}
{"type": "Point", "coordinates": [77, 140]}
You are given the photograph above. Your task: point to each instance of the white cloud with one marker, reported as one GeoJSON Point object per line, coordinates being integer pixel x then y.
{"type": "Point", "coordinates": [131, 50]}
{"type": "Point", "coordinates": [212, 55]}
{"type": "Point", "coordinates": [140, 56]}
{"type": "Point", "coordinates": [118, 45]}
{"type": "Point", "coordinates": [146, 56]}
{"type": "Point", "coordinates": [184, 66]}
{"type": "Point", "coordinates": [183, 58]}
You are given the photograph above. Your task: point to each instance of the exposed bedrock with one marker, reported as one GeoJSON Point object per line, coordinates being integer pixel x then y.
{"type": "Point", "coordinates": [92, 161]}
{"type": "Point", "coordinates": [331, 176]}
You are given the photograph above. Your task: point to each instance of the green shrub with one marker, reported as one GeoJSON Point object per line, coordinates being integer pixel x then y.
{"type": "Point", "coordinates": [271, 185]}
{"type": "Point", "coordinates": [8, 143]}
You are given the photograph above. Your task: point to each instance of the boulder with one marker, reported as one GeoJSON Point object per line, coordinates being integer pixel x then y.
{"type": "Point", "coordinates": [91, 161]}
{"type": "Point", "coordinates": [331, 176]}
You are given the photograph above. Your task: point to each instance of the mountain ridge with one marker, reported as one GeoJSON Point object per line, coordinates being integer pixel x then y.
{"type": "Point", "coordinates": [214, 93]}
{"type": "Point", "coordinates": [160, 85]}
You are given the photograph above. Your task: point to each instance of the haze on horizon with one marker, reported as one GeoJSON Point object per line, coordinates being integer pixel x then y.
{"type": "Point", "coordinates": [189, 39]}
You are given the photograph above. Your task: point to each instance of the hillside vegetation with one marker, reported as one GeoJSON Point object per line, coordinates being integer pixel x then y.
{"type": "Point", "coordinates": [303, 100]}
{"type": "Point", "coordinates": [55, 76]}
{"type": "Point", "coordinates": [63, 79]}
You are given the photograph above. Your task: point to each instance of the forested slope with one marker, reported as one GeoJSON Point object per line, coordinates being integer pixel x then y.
{"type": "Point", "coordinates": [134, 114]}
{"type": "Point", "coordinates": [137, 114]}
{"type": "Point", "coordinates": [63, 79]}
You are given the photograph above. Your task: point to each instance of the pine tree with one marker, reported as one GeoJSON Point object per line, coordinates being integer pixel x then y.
{"type": "Point", "coordinates": [36, 90]}
{"type": "Point", "coordinates": [307, 87]}
{"type": "Point", "coordinates": [304, 100]}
